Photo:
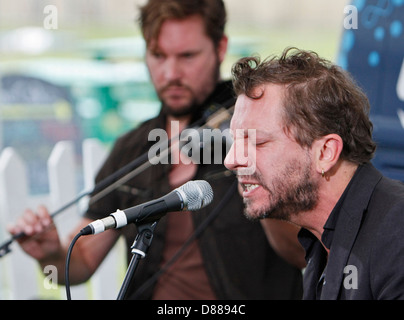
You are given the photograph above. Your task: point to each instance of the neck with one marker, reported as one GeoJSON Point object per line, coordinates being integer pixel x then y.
{"type": "Point", "coordinates": [174, 125]}
{"type": "Point", "coordinates": [331, 188]}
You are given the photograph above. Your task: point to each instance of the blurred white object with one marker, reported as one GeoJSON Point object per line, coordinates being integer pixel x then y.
{"type": "Point", "coordinates": [29, 40]}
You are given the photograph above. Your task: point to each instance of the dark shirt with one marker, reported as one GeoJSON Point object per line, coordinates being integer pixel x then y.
{"type": "Point", "coordinates": [316, 255]}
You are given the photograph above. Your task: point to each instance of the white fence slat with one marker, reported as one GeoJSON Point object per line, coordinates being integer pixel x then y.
{"type": "Point", "coordinates": [94, 155]}
{"type": "Point", "coordinates": [19, 271]}
{"type": "Point", "coordinates": [20, 277]}
{"type": "Point", "coordinates": [63, 184]}
{"type": "Point", "coordinates": [62, 187]}
{"type": "Point", "coordinates": [13, 184]}
{"type": "Point", "coordinates": [108, 278]}
{"type": "Point", "coordinates": [104, 287]}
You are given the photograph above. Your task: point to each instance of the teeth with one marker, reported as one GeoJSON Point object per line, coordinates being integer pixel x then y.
{"type": "Point", "coordinates": [249, 187]}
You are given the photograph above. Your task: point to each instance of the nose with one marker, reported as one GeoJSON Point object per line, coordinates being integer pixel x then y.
{"type": "Point", "coordinates": [235, 158]}
{"type": "Point", "coordinates": [229, 160]}
{"type": "Point", "coordinates": [241, 158]}
{"type": "Point", "coordinates": [172, 69]}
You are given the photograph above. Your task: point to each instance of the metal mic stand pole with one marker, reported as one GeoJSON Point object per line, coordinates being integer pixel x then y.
{"type": "Point", "coordinates": [139, 250]}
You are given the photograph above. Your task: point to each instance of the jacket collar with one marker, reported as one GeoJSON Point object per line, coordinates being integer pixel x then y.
{"type": "Point", "coordinates": [347, 226]}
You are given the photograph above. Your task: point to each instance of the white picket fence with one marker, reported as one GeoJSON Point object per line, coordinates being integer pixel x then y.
{"type": "Point", "coordinates": [20, 275]}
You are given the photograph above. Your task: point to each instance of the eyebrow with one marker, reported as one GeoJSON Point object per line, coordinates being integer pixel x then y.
{"type": "Point", "coordinates": [157, 49]}
{"type": "Point", "coordinates": [246, 132]}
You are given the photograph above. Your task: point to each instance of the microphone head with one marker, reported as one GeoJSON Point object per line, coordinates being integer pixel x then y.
{"type": "Point", "coordinates": [196, 194]}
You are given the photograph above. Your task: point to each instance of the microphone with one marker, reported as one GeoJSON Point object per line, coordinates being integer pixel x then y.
{"type": "Point", "coordinates": [191, 196]}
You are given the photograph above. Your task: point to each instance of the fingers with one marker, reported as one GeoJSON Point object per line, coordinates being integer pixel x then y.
{"type": "Point", "coordinates": [31, 223]}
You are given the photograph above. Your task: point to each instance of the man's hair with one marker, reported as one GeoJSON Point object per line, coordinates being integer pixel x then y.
{"type": "Point", "coordinates": [320, 98]}
{"type": "Point", "coordinates": [155, 12]}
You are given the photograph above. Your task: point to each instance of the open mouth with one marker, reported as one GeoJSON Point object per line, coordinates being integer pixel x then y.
{"type": "Point", "coordinates": [247, 187]}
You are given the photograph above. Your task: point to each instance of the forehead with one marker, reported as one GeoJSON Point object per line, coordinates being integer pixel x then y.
{"type": "Point", "coordinates": [181, 32]}
{"type": "Point", "coordinates": [262, 113]}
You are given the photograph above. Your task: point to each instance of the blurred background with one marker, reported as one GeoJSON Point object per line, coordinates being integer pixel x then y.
{"type": "Point", "coordinates": [73, 69]}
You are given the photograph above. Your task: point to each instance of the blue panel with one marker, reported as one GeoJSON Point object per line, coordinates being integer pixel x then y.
{"type": "Point", "coordinates": [374, 54]}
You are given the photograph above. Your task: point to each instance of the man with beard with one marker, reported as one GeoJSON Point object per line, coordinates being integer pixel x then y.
{"type": "Point", "coordinates": [186, 45]}
{"type": "Point", "coordinates": [313, 146]}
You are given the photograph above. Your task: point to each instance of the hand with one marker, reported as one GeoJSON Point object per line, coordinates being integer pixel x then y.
{"type": "Point", "coordinates": [41, 240]}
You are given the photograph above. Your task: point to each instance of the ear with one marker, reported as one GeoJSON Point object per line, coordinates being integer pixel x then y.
{"type": "Point", "coordinates": [327, 151]}
{"type": "Point", "coordinates": [222, 48]}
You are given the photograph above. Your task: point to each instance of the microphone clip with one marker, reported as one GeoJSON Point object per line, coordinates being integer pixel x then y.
{"type": "Point", "coordinates": [143, 239]}
{"type": "Point", "coordinates": [139, 250]}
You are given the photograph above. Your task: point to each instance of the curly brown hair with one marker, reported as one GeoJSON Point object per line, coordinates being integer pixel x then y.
{"type": "Point", "coordinates": [320, 98]}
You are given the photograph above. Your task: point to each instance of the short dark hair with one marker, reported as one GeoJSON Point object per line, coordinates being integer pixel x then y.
{"type": "Point", "coordinates": [320, 98]}
{"type": "Point", "coordinates": [155, 12]}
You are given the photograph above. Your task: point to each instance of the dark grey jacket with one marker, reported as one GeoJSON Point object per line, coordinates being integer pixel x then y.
{"type": "Point", "coordinates": [366, 241]}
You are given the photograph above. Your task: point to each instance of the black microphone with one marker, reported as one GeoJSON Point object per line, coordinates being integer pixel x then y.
{"type": "Point", "coordinates": [191, 196]}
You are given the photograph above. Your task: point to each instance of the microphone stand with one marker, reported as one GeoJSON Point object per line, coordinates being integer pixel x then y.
{"type": "Point", "coordinates": [139, 250]}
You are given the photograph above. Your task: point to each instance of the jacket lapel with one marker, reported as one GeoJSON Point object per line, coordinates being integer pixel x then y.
{"type": "Point", "coordinates": [347, 228]}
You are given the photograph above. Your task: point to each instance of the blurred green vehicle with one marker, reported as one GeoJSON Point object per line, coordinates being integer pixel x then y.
{"type": "Point", "coordinates": [46, 100]}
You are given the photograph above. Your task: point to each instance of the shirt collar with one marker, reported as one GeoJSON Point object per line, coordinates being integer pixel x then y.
{"type": "Point", "coordinates": [331, 222]}
{"type": "Point", "coordinates": [306, 238]}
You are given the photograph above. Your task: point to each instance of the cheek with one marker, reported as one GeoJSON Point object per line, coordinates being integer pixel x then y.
{"type": "Point", "coordinates": [153, 71]}
{"type": "Point", "coordinates": [156, 69]}
{"type": "Point", "coordinates": [267, 158]}
{"type": "Point", "coordinates": [269, 164]}
{"type": "Point", "coordinates": [203, 70]}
